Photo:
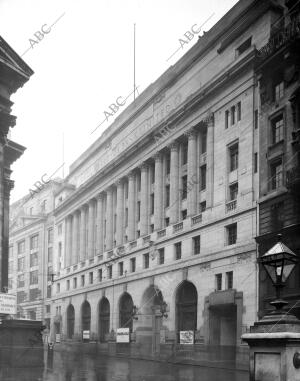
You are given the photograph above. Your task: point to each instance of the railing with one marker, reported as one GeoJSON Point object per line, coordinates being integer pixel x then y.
{"type": "Point", "coordinates": [68, 270]}
{"type": "Point", "coordinates": [133, 244]}
{"type": "Point", "coordinates": [120, 250]}
{"type": "Point", "coordinates": [177, 227]}
{"type": "Point", "coordinates": [161, 233]}
{"type": "Point", "coordinates": [197, 219]}
{"type": "Point", "coordinates": [75, 267]}
{"type": "Point", "coordinates": [231, 205]}
{"type": "Point", "coordinates": [110, 254]}
{"type": "Point", "coordinates": [91, 261]}
{"type": "Point", "coordinates": [146, 239]}
{"type": "Point", "coordinates": [82, 264]}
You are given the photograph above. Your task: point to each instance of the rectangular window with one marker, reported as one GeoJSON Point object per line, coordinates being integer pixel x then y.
{"type": "Point", "coordinates": [276, 174]}
{"type": "Point", "coordinates": [57, 288]}
{"type": "Point", "coordinates": [203, 177]}
{"type": "Point", "coordinates": [231, 232]}
{"type": "Point", "coordinates": [196, 245]}
{"type": "Point", "coordinates": [138, 180]}
{"type": "Point", "coordinates": [49, 288]}
{"type": "Point", "coordinates": [82, 280]}
{"type": "Point", "coordinates": [204, 142]}
{"type": "Point", "coordinates": [48, 309]}
{"type": "Point", "coordinates": [234, 157]}
{"type": "Point", "coordinates": [121, 268]}
{"type": "Point", "coordinates": [68, 285]}
{"type": "Point", "coordinates": [256, 119]}
{"type": "Point", "coordinates": [277, 129]}
{"type": "Point", "coordinates": [278, 91]}
{"type": "Point", "coordinates": [168, 163]}
{"type": "Point", "coordinates": [132, 265]}
{"type": "Point", "coordinates": [50, 273]}
{"type": "Point", "coordinates": [226, 118]}
{"type": "Point", "coordinates": [126, 190]}
{"type": "Point", "coordinates": [233, 191]}
{"type": "Point", "coordinates": [202, 206]}
{"type": "Point", "coordinates": [33, 294]}
{"type": "Point", "coordinates": [138, 210]}
{"type": "Point", "coordinates": [91, 277]}
{"type": "Point", "coordinates": [21, 296]}
{"type": "Point", "coordinates": [152, 203]}
{"type": "Point", "coordinates": [21, 263]}
{"type": "Point", "coordinates": [218, 280]}
{"type": "Point", "coordinates": [21, 280]}
{"type": "Point", "coordinates": [184, 154]}
{"type": "Point", "coordinates": [167, 221]}
{"type": "Point", "coordinates": [34, 241]}
{"type": "Point", "coordinates": [167, 196]}
{"type": "Point", "coordinates": [229, 280]}
{"type": "Point", "coordinates": [34, 277]}
{"type": "Point", "coordinates": [126, 217]}
{"type": "Point", "coordinates": [146, 260]}
{"type": "Point", "coordinates": [184, 187]}
{"type": "Point", "coordinates": [255, 164]}
{"type": "Point", "coordinates": [277, 216]}
{"type": "Point", "coordinates": [50, 235]}
{"type": "Point", "coordinates": [239, 111]}
{"type": "Point", "coordinates": [21, 247]}
{"type": "Point", "coordinates": [74, 282]}
{"type": "Point", "coordinates": [183, 214]}
{"type": "Point", "coordinates": [151, 228]}
{"type": "Point", "coordinates": [34, 259]}
{"type": "Point", "coordinates": [177, 250]}
{"type": "Point", "coordinates": [100, 275]}
{"type": "Point", "coordinates": [232, 115]}
{"type": "Point", "coordinates": [152, 172]}
{"type": "Point", "coordinates": [244, 46]}
{"type": "Point", "coordinates": [161, 256]}
{"type": "Point", "coordinates": [109, 272]}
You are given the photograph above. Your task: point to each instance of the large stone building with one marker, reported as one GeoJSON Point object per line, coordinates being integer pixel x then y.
{"type": "Point", "coordinates": [278, 120]}
{"type": "Point", "coordinates": [31, 253]}
{"type": "Point", "coordinates": [155, 226]}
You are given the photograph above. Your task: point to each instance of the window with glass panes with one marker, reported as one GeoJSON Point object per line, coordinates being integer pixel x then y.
{"type": "Point", "coordinates": [218, 278]}
{"type": "Point", "coordinates": [276, 174]}
{"type": "Point", "coordinates": [277, 129]}
{"type": "Point", "coordinates": [233, 191]}
{"type": "Point", "coordinates": [196, 244]}
{"type": "Point", "coordinates": [161, 256]}
{"type": "Point", "coordinates": [231, 231]}
{"type": "Point", "coordinates": [21, 247]}
{"type": "Point", "coordinates": [34, 241]}
{"type": "Point", "coordinates": [233, 157]}
{"type": "Point", "coordinates": [177, 250]}
{"type": "Point", "coordinates": [34, 277]}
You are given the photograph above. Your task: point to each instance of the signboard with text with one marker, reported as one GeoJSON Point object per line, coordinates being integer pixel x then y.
{"type": "Point", "coordinates": [123, 335]}
{"type": "Point", "coordinates": [8, 304]}
{"type": "Point", "coordinates": [186, 337]}
{"type": "Point", "coordinates": [57, 338]}
{"type": "Point", "coordinates": [86, 335]}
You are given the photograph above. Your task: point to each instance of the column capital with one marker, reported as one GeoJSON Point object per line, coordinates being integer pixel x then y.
{"type": "Point", "coordinates": [100, 196]}
{"type": "Point", "coordinates": [191, 133]}
{"type": "Point", "coordinates": [173, 146]}
{"type": "Point", "coordinates": [144, 166]}
{"type": "Point", "coordinates": [157, 156]}
{"type": "Point", "coordinates": [119, 182]}
{"type": "Point", "coordinates": [210, 120]}
{"type": "Point", "coordinates": [131, 175]}
{"type": "Point", "coordinates": [109, 189]}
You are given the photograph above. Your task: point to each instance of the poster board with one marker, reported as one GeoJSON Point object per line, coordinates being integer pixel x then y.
{"type": "Point", "coordinates": [8, 304]}
{"type": "Point", "coordinates": [186, 337]}
{"type": "Point", "coordinates": [123, 335]}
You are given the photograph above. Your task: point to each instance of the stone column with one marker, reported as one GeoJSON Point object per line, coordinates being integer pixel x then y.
{"type": "Point", "coordinates": [75, 235]}
{"type": "Point", "coordinates": [158, 194]}
{"type": "Point", "coordinates": [100, 224]}
{"type": "Point", "coordinates": [174, 183]}
{"type": "Point", "coordinates": [83, 233]}
{"type": "Point", "coordinates": [210, 162]}
{"type": "Point", "coordinates": [192, 173]}
{"type": "Point", "coordinates": [144, 223]}
{"type": "Point", "coordinates": [109, 218]}
{"type": "Point", "coordinates": [131, 206]}
{"type": "Point", "coordinates": [91, 229]}
{"type": "Point", "coordinates": [120, 213]}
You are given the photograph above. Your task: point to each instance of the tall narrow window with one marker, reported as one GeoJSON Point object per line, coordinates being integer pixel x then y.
{"type": "Point", "coordinates": [204, 141]}
{"type": "Point", "coordinates": [161, 256]}
{"type": "Point", "coordinates": [184, 154]}
{"type": "Point", "coordinates": [100, 275]}
{"type": "Point", "coordinates": [277, 129]}
{"type": "Point", "coordinates": [278, 90]}
{"type": "Point", "coordinates": [276, 174]}
{"type": "Point", "coordinates": [233, 191]}
{"type": "Point", "coordinates": [239, 111]}
{"type": "Point", "coordinates": [255, 162]}
{"type": "Point", "coordinates": [152, 203]}
{"type": "Point", "coordinates": [233, 157]}
{"type": "Point", "coordinates": [109, 272]}
{"type": "Point", "coordinates": [184, 187]}
{"type": "Point", "coordinates": [196, 244]}
{"type": "Point", "coordinates": [256, 119]}
{"type": "Point", "coordinates": [167, 204]}
{"type": "Point", "coordinates": [132, 265]}
{"type": "Point", "coordinates": [138, 210]}
{"type": "Point", "coordinates": [229, 280]}
{"type": "Point", "coordinates": [146, 260]}
{"type": "Point", "coordinates": [232, 115]}
{"type": "Point", "coordinates": [226, 119]}
{"type": "Point", "coordinates": [121, 268]}
{"type": "Point", "coordinates": [218, 278]}
{"type": "Point", "coordinates": [231, 232]}
{"type": "Point", "coordinates": [168, 161]}
{"type": "Point", "coordinates": [178, 250]}
{"type": "Point", "coordinates": [126, 217]}
{"type": "Point", "coordinates": [203, 177]}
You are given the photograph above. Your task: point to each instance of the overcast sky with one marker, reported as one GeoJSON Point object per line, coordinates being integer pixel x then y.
{"type": "Point", "coordinates": [83, 64]}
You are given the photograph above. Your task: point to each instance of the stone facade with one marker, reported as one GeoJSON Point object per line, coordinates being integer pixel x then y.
{"type": "Point", "coordinates": [159, 214]}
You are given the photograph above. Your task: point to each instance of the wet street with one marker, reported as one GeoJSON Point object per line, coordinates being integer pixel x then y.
{"type": "Point", "coordinates": [67, 367]}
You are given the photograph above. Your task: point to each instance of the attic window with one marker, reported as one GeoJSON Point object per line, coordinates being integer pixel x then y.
{"type": "Point", "coordinates": [244, 46]}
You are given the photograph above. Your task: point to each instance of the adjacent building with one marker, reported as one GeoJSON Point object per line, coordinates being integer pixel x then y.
{"type": "Point", "coordinates": [278, 120]}
{"type": "Point", "coordinates": [31, 253]}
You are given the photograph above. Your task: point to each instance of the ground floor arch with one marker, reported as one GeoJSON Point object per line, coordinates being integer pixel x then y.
{"type": "Point", "coordinates": [86, 316]}
{"type": "Point", "coordinates": [70, 321]}
{"type": "Point", "coordinates": [104, 318]}
{"type": "Point", "coordinates": [126, 311]}
{"type": "Point", "coordinates": [186, 307]}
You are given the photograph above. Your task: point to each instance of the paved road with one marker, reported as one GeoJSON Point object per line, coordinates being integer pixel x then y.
{"type": "Point", "coordinates": [66, 367]}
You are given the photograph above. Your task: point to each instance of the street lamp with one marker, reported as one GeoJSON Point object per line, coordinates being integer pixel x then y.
{"type": "Point", "coordinates": [163, 309]}
{"type": "Point", "coordinates": [134, 312]}
{"type": "Point", "coordinates": [279, 262]}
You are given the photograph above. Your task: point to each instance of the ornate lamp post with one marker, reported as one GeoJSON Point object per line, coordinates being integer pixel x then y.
{"type": "Point", "coordinates": [134, 312]}
{"type": "Point", "coordinates": [163, 309]}
{"type": "Point", "coordinates": [279, 263]}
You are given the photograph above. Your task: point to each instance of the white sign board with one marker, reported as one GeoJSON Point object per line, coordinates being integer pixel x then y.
{"type": "Point", "coordinates": [123, 335]}
{"type": "Point", "coordinates": [86, 335]}
{"type": "Point", "coordinates": [57, 338]}
{"type": "Point", "coordinates": [186, 337]}
{"type": "Point", "coordinates": [8, 304]}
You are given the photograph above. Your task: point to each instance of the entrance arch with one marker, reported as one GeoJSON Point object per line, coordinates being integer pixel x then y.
{"type": "Point", "coordinates": [104, 316]}
{"type": "Point", "coordinates": [70, 321]}
{"type": "Point", "coordinates": [86, 316]}
{"type": "Point", "coordinates": [125, 311]}
{"type": "Point", "coordinates": [186, 307]}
